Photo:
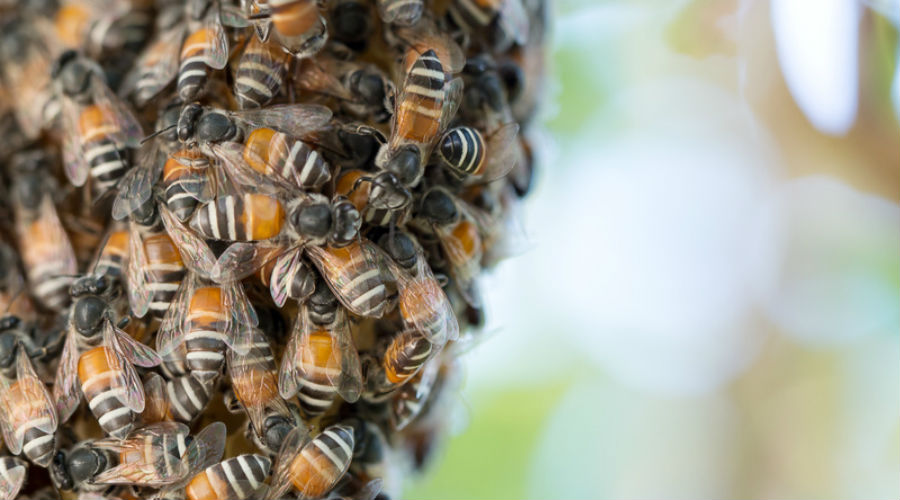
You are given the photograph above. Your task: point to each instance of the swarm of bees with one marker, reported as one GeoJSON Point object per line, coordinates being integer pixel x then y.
{"type": "Point", "coordinates": [248, 235]}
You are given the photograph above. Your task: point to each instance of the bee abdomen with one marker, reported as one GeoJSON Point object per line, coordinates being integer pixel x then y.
{"type": "Point", "coordinates": [463, 149]}
{"type": "Point", "coordinates": [405, 355]}
{"type": "Point", "coordinates": [251, 217]}
{"type": "Point", "coordinates": [205, 350]}
{"type": "Point", "coordinates": [50, 284]}
{"type": "Point", "coordinates": [315, 396]}
{"type": "Point", "coordinates": [38, 445]}
{"type": "Point", "coordinates": [260, 74]}
{"type": "Point", "coordinates": [188, 397]}
{"type": "Point", "coordinates": [236, 478]}
{"type": "Point", "coordinates": [192, 73]}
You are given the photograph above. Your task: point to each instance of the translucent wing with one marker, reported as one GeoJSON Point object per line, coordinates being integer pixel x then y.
{"type": "Point", "coordinates": [243, 319]}
{"type": "Point", "coordinates": [74, 162]}
{"type": "Point", "coordinates": [133, 351]}
{"type": "Point", "coordinates": [139, 294]}
{"type": "Point", "coordinates": [13, 478]}
{"type": "Point", "coordinates": [269, 70]}
{"type": "Point", "coordinates": [453, 92]}
{"type": "Point", "coordinates": [295, 120]}
{"type": "Point", "coordinates": [241, 259]}
{"type": "Point", "coordinates": [54, 236]}
{"type": "Point", "coordinates": [231, 159]}
{"type": "Point", "coordinates": [196, 254]}
{"type": "Point", "coordinates": [349, 382]}
{"type": "Point", "coordinates": [250, 377]}
{"type": "Point", "coordinates": [293, 444]}
{"type": "Point", "coordinates": [315, 77]}
{"type": "Point", "coordinates": [133, 390]}
{"type": "Point", "coordinates": [174, 323]}
{"type": "Point", "coordinates": [66, 392]}
{"type": "Point", "coordinates": [162, 469]}
{"type": "Point", "coordinates": [340, 267]}
{"type": "Point", "coordinates": [424, 305]}
{"type": "Point", "coordinates": [289, 370]}
{"type": "Point", "coordinates": [156, 67]}
{"type": "Point", "coordinates": [502, 152]}
{"type": "Point", "coordinates": [37, 391]}
{"type": "Point", "coordinates": [24, 400]}
{"type": "Point", "coordinates": [157, 404]}
{"type": "Point", "coordinates": [232, 16]}
{"type": "Point", "coordinates": [286, 267]}
{"type": "Point", "coordinates": [216, 55]}
{"type": "Point", "coordinates": [205, 450]}
{"type": "Point", "coordinates": [128, 131]}
{"type": "Point", "coordinates": [513, 20]}
{"type": "Point", "coordinates": [136, 186]}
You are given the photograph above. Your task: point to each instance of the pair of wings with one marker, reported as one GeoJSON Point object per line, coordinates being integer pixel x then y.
{"type": "Point", "coordinates": [12, 477]}
{"type": "Point", "coordinates": [205, 450]}
{"type": "Point", "coordinates": [291, 448]}
{"type": "Point", "coordinates": [30, 391]}
{"type": "Point", "coordinates": [347, 381]}
{"type": "Point", "coordinates": [126, 130]}
{"type": "Point", "coordinates": [240, 318]}
{"type": "Point", "coordinates": [122, 353]}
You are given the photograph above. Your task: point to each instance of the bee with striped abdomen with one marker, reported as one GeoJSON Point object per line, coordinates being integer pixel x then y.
{"type": "Point", "coordinates": [403, 357]}
{"type": "Point", "coordinates": [45, 247]}
{"type": "Point", "coordinates": [27, 414]}
{"type": "Point", "coordinates": [298, 26]}
{"type": "Point", "coordinates": [159, 455]}
{"type": "Point", "coordinates": [207, 318]}
{"type": "Point", "coordinates": [182, 399]}
{"type": "Point", "coordinates": [409, 400]}
{"type": "Point", "coordinates": [13, 472]}
{"type": "Point", "coordinates": [101, 357]}
{"type": "Point", "coordinates": [464, 152]}
{"type": "Point", "coordinates": [98, 128]}
{"type": "Point", "coordinates": [261, 73]}
{"type": "Point", "coordinates": [423, 305]}
{"type": "Point", "coordinates": [312, 467]}
{"type": "Point", "coordinates": [237, 478]}
{"type": "Point", "coordinates": [112, 258]}
{"type": "Point", "coordinates": [320, 360]}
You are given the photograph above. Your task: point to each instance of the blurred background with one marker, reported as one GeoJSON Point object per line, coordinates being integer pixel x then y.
{"type": "Point", "coordinates": [709, 305]}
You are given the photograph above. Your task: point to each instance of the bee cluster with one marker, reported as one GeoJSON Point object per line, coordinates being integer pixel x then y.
{"type": "Point", "coordinates": [248, 236]}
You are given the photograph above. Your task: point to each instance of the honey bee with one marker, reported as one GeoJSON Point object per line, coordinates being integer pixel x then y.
{"type": "Point", "coordinates": [312, 467]}
{"type": "Point", "coordinates": [254, 380]}
{"type": "Point", "coordinates": [261, 73]}
{"type": "Point", "coordinates": [159, 455]}
{"type": "Point", "coordinates": [500, 23]}
{"type": "Point", "coordinates": [407, 403]}
{"type": "Point", "coordinates": [299, 27]}
{"type": "Point", "coordinates": [190, 39]}
{"type": "Point", "coordinates": [98, 127]}
{"type": "Point", "coordinates": [181, 399]}
{"type": "Point", "coordinates": [362, 89]}
{"type": "Point", "coordinates": [403, 357]}
{"type": "Point", "coordinates": [464, 152]}
{"type": "Point", "coordinates": [25, 56]}
{"type": "Point", "coordinates": [320, 360]}
{"type": "Point", "coordinates": [460, 229]}
{"type": "Point", "coordinates": [43, 243]}
{"type": "Point", "coordinates": [401, 12]}
{"type": "Point", "coordinates": [423, 305]}
{"type": "Point", "coordinates": [13, 472]}
{"type": "Point", "coordinates": [27, 414]}
{"type": "Point", "coordinates": [237, 478]}
{"type": "Point", "coordinates": [100, 356]}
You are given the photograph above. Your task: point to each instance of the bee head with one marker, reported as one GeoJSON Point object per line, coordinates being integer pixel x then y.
{"type": "Point", "coordinates": [88, 314]}
{"type": "Point", "coordinates": [186, 124]}
{"type": "Point", "coordinates": [277, 428]}
{"type": "Point", "coordinates": [59, 473]}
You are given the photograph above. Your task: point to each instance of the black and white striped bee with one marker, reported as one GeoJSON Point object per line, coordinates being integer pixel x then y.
{"type": "Point", "coordinates": [312, 466]}
{"type": "Point", "coordinates": [465, 153]}
{"type": "Point", "coordinates": [181, 399]}
{"type": "Point", "coordinates": [237, 478]}
{"type": "Point", "coordinates": [261, 73]}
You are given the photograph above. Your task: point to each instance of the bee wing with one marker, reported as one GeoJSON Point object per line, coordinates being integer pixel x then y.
{"type": "Point", "coordinates": [36, 391]}
{"type": "Point", "coordinates": [133, 351]}
{"type": "Point", "coordinates": [156, 67]}
{"type": "Point", "coordinates": [13, 479]}
{"type": "Point", "coordinates": [133, 395]}
{"type": "Point", "coordinates": [349, 382]}
{"type": "Point", "coordinates": [157, 401]}
{"type": "Point", "coordinates": [173, 326]}
{"type": "Point", "coordinates": [291, 447]}
{"type": "Point", "coordinates": [241, 259]}
{"type": "Point", "coordinates": [275, 64]}
{"type": "Point", "coordinates": [437, 303]}
{"type": "Point", "coordinates": [295, 120]}
{"type": "Point", "coordinates": [139, 294]}
{"type": "Point", "coordinates": [288, 372]}
{"type": "Point", "coordinates": [242, 176]}
{"type": "Point", "coordinates": [286, 267]}
{"type": "Point", "coordinates": [334, 269]}
{"type": "Point", "coordinates": [239, 328]}
{"type": "Point", "coordinates": [204, 451]}
{"type": "Point", "coordinates": [513, 20]}
{"type": "Point", "coordinates": [66, 392]}
{"type": "Point", "coordinates": [232, 16]}
{"type": "Point", "coordinates": [55, 236]}
{"type": "Point", "coordinates": [129, 132]}
{"type": "Point", "coordinates": [453, 92]}
{"type": "Point", "coordinates": [151, 473]}
{"type": "Point", "coordinates": [196, 254]}
{"type": "Point", "coordinates": [136, 186]}
{"type": "Point", "coordinates": [313, 77]}
{"type": "Point", "coordinates": [502, 152]}
{"type": "Point", "coordinates": [74, 162]}
{"type": "Point", "coordinates": [465, 281]}
{"type": "Point", "coordinates": [216, 55]}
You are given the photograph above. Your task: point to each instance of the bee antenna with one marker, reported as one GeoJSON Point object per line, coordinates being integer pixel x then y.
{"type": "Point", "coordinates": [158, 132]}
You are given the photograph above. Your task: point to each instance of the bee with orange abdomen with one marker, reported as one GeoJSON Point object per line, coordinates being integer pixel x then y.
{"type": "Point", "coordinates": [314, 466]}
{"type": "Point", "coordinates": [47, 253]}
{"type": "Point", "coordinates": [113, 255]}
{"type": "Point", "coordinates": [320, 360]}
{"type": "Point", "coordinates": [208, 319]}
{"type": "Point", "coordinates": [99, 357]}
{"type": "Point", "coordinates": [409, 400]}
{"type": "Point", "coordinates": [254, 380]}
{"type": "Point", "coordinates": [237, 478]}
{"type": "Point", "coordinates": [186, 181]}
{"type": "Point", "coordinates": [460, 229]}
{"type": "Point", "coordinates": [27, 414]}
{"type": "Point", "coordinates": [159, 455]}
{"type": "Point", "coordinates": [261, 73]}
{"type": "Point", "coordinates": [25, 56]}
{"type": "Point", "coordinates": [423, 305]}
{"type": "Point", "coordinates": [98, 128]}
{"type": "Point", "coordinates": [278, 155]}
{"type": "Point", "coordinates": [13, 472]}
{"type": "Point", "coordinates": [403, 357]}
{"type": "Point", "coordinates": [297, 24]}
